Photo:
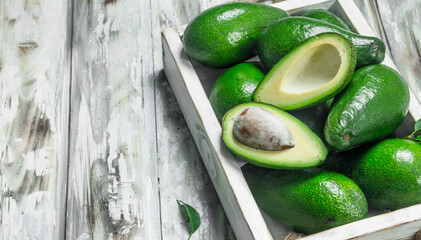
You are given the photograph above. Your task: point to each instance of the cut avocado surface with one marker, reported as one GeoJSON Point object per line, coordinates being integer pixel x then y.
{"type": "Point", "coordinates": [308, 150]}
{"type": "Point", "coordinates": [315, 71]}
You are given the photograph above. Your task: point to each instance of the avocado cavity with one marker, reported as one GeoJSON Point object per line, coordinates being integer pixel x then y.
{"type": "Point", "coordinates": [312, 73]}
{"type": "Point", "coordinates": [258, 128]}
{"type": "Point", "coordinates": [315, 69]}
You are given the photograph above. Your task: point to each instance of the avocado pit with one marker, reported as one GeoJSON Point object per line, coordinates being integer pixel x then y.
{"type": "Point", "coordinates": [260, 129]}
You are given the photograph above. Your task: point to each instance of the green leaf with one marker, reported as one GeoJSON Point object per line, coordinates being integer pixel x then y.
{"type": "Point", "coordinates": [190, 215]}
{"type": "Point", "coordinates": [418, 138]}
{"type": "Point", "coordinates": [418, 125]}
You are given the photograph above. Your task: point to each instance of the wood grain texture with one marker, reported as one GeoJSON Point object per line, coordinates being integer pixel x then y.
{"type": "Point", "coordinates": [182, 174]}
{"type": "Point", "coordinates": [34, 108]}
{"type": "Point", "coordinates": [400, 224]}
{"type": "Point", "coordinates": [113, 183]}
{"type": "Point", "coordinates": [399, 26]}
{"type": "Point", "coordinates": [224, 170]}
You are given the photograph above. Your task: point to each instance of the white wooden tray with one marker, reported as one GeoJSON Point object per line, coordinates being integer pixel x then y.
{"type": "Point", "coordinates": [191, 83]}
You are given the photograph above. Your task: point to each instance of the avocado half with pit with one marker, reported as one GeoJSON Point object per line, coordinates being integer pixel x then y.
{"type": "Point", "coordinates": [315, 71]}
{"type": "Point", "coordinates": [266, 136]}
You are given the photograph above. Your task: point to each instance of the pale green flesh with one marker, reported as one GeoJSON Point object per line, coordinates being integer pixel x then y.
{"type": "Point", "coordinates": [307, 152]}
{"type": "Point", "coordinates": [306, 75]}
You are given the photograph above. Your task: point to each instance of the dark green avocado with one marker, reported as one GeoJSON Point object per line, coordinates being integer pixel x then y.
{"type": "Point", "coordinates": [226, 34]}
{"type": "Point", "coordinates": [388, 172]}
{"type": "Point", "coordinates": [307, 201]}
{"type": "Point", "coordinates": [373, 105]}
{"type": "Point", "coordinates": [326, 16]}
{"type": "Point", "coordinates": [233, 87]}
{"type": "Point", "coordinates": [282, 37]}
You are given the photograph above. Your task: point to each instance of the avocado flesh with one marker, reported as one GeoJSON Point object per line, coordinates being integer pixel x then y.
{"type": "Point", "coordinates": [308, 151]}
{"type": "Point", "coordinates": [312, 73]}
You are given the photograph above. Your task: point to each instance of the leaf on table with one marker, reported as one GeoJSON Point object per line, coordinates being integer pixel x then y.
{"type": "Point", "coordinates": [190, 215]}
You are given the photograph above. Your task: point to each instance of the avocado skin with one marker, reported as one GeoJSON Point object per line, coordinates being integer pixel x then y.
{"type": "Point", "coordinates": [233, 87]}
{"type": "Point", "coordinates": [387, 172]}
{"type": "Point", "coordinates": [373, 105]}
{"type": "Point", "coordinates": [227, 34]}
{"type": "Point", "coordinates": [314, 117]}
{"type": "Point", "coordinates": [285, 35]}
{"type": "Point", "coordinates": [307, 201]}
{"type": "Point", "coordinates": [326, 16]}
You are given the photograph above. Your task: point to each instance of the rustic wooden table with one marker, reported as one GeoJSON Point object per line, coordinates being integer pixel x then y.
{"type": "Point", "coordinates": [92, 141]}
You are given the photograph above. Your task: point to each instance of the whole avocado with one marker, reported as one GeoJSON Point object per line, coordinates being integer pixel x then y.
{"type": "Point", "coordinates": [373, 105]}
{"type": "Point", "coordinates": [308, 201]}
{"type": "Point", "coordinates": [285, 35]}
{"type": "Point", "coordinates": [233, 87]}
{"type": "Point", "coordinates": [388, 172]}
{"type": "Point", "coordinates": [226, 34]}
{"type": "Point", "coordinates": [326, 16]}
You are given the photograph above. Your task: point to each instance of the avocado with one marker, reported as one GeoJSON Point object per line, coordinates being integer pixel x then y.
{"type": "Point", "coordinates": [372, 106]}
{"type": "Point", "coordinates": [283, 36]}
{"type": "Point", "coordinates": [315, 71]}
{"type": "Point", "coordinates": [314, 117]}
{"type": "Point", "coordinates": [388, 172]}
{"type": "Point", "coordinates": [307, 201]}
{"type": "Point", "coordinates": [233, 87]}
{"type": "Point", "coordinates": [327, 17]}
{"type": "Point", "coordinates": [225, 35]}
{"type": "Point", "coordinates": [306, 149]}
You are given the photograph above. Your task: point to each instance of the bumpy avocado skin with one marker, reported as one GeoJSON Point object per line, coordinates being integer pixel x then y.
{"type": "Point", "coordinates": [226, 34]}
{"type": "Point", "coordinates": [388, 172]}
{"type": "Point", "coordinates": [372, 106]}
{"type": "Point", "coordinates": [285, 35]}
{"type": "Point", "coordinates": [308, 201]}
{"type": "Point", "coordinates": [233, 87]}
{"type": "Point", "coordinates": [326, 16]}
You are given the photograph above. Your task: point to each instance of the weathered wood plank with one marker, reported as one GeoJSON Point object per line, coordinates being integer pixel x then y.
{"type": "Point", "coordinates": [34, 107]}
{"type": "Point", "coordinates": [182, 174]}
{"type": "Point", "coordinates": [399, 26]}
{"type": "Point", "coordinates": [113, 187]}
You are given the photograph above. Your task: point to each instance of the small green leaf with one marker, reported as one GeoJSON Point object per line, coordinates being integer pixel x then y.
{"type": "Point", "coordinates": [190, 215]}
{"type": "Point", "coordinates": [418, 125]}
{"type": "Point", "coordinates": [417, 128]}
{"type": "Point", "coordinates": [418, 138]}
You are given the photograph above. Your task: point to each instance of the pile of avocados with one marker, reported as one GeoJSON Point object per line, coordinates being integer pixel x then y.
{"type": "Point", "coordinates": [313, 118]}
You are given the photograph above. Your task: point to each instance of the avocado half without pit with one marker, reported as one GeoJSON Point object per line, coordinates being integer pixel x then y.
{"type": "Point", "coordinates": [266, 136]}
{"type": "Point", "coordinates": [315, 71]}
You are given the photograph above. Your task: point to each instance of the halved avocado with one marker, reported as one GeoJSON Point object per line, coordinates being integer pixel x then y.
{"type": "Point", "coordinates": [315, 71]}
{"type": "Point", "coordinates": [308, 150]}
